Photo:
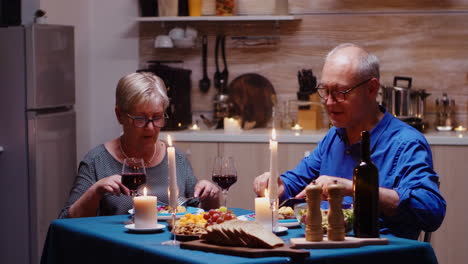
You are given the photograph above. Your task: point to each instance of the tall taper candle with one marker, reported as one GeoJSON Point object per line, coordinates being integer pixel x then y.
{"type": "Point", "coordinates": [173, 189]}
{"type": "Point", "coordinates": [273, 181]}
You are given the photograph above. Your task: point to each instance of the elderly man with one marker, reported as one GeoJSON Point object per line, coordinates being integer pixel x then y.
{"type": "Point", "coordinates": [409, 197]}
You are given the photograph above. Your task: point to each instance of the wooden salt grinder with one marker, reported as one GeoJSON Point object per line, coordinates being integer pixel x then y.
{"type": "Point", "coordinates": [314, 230]}
{"type": "Point", "coordinates": [336, 228]}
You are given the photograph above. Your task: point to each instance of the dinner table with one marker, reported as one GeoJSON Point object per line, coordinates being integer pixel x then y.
{"type": "Point", "coordinates": [104, 239]}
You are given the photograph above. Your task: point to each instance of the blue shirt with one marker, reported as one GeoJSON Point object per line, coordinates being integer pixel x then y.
{"type": "Point", "coordinates": [404, 160]}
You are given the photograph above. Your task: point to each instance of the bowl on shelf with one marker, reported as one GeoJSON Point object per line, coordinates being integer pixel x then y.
{"type": "Point", "coordinates": [163, 41]}
{"type": "Point", "coordinates": [186, 42]}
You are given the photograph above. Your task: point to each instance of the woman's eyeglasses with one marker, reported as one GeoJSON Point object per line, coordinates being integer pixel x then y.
{"type": "Point", "coordinates": [142, 121]}
{"type": "Point", "coordinates": [338, 96]}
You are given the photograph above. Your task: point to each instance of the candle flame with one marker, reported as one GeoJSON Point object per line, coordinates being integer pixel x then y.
{"type": "Point", "coordinates": [296, 127]}
{"type": "Point", "coordinates": [145, 191]}
{"type": "Point", "coordinates": [273, 134]}
{"type": "Point", "coordinates": [169, 140]}
{"type": "Point", "coordinates": [266, 193]}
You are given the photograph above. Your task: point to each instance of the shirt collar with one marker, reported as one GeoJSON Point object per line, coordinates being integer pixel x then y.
{"type": "Point", "coordinates": [375, 132]}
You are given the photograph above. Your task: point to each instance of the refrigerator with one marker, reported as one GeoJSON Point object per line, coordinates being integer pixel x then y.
{"type": "Point", "coordinates": [37, 134]}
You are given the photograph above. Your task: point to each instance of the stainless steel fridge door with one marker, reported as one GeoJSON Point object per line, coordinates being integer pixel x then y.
{"type": "Point", "coordinates": [52, 169]}
{"type": "Point", "coordinates": [14, 210]}
{"type": "Point", "coordinates": [50, 60]}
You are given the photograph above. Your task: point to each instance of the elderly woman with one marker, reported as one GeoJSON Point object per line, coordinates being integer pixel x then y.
{"type": "Point", "coordinates": [141, 102]}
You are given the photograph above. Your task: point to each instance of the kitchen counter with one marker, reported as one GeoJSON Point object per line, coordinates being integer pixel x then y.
{"type": "Point", "coordinates": [262, 135]}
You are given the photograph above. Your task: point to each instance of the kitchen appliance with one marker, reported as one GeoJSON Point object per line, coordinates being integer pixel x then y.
{"type": "Point", "coordinates": [37, 135]}
{"type": "Point", "coordinates": [179, 86]}
{"type": "Point", "coordinates": [10, 12]}
{"type": "Point", "coordinates": [445, 115]}
{"type": "Point", "coordinates": [405, 103]}
{"type": "Point", "coordinates": [309, 107]}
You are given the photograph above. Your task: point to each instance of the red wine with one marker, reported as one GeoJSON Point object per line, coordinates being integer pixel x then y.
{"type": "Point", "coordinates": [133, 180]}
{"type": "Point", "coordinates": [366, 193]}
{"type": "Point", "coordinates": [225, 181]}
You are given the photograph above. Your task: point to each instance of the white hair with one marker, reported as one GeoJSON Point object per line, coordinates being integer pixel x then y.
{"type": "Point", "coordinates": [136, 88]}
{"type": "Point", "coordinates": [368, 63]}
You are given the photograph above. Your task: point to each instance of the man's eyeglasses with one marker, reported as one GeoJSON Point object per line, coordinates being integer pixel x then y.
{"type": "Point", "coordinates": [142, 121]}
{"type": "Point", "coordinates": [338, 96]}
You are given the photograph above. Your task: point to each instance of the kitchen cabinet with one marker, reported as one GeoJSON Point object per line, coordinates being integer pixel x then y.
{"type": "Point", "coordinates": [216, 18]}
{"type": "Point", "coordinates": [252, 159]}
{"type": "Point", "coordinates": [449, 241]}
{"type": "Point", "coordinates": [201, 157]}
{"type": "Point", "coordinates": [250, 150]}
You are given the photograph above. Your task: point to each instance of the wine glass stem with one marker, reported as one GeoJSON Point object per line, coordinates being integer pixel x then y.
{"type": "Point", "coordinates": [225, 193]}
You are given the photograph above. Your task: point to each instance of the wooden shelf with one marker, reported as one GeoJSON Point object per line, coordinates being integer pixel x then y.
{"type": "Point", "coordinates": [217, 18]}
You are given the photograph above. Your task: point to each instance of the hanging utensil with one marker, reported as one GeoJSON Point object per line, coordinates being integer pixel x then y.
{"type": "Point", "coordinates": [205, 81]}
{"type": "Point", "coordinates": [217, 76]}
{"type": "Point", "coordinates": [225, 72]}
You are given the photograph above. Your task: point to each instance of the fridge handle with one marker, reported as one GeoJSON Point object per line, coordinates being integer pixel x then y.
{"type": "Point", "coordinates": [1, 149]}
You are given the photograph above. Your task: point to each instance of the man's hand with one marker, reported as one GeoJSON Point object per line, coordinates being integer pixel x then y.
{"type": "Point", "coordinates": [111, 185]}
{"type": "Point", "coordinates": [261, 184]}
{"type": "Point", "coordinates": [325, 181]}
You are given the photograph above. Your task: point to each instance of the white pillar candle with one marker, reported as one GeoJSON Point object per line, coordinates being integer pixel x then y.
{"type": "Point", "coordinates": [231, 125]}
{"type": "Point", "coordinates": [263, 212]}
{"type": "Point", "coordinates": [173, 190]}
{"type": "Point", "coordinates": [146, 211]}
{"type": "Point", "coordinates": [273, 181]}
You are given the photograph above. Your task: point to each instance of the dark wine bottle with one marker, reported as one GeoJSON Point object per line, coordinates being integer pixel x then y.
{"type": "Point", "coordinates": [366, 193]}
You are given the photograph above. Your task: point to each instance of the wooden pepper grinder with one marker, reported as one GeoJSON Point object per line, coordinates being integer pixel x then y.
{"type": "Point", "coordinates": [314, 230]}
{"type": "Point", "coordinates": [336, 228]}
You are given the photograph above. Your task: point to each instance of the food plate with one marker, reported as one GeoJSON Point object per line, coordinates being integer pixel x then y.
{"type": "Point", "coordinates": [192, 210]}
{"type": "Point", "coordinates": [281, 222]}
{"type": "Point", "coordinates": [187, 237]}
{"type": "Point", "coordinates": [132, 228]}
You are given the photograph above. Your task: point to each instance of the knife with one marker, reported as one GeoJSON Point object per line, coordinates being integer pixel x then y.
{"type": "Point", "coordinates": [292, 201]}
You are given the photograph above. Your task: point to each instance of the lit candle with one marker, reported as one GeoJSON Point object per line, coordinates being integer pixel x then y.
{"type": "Point", "coordinates": [231, 125]}
{"type": "Point", "coordinates": [297, 129]}
{"type": "Point", "coordinates": [146, 210]}
{"type": "Point", "coordinates": [263, 211]}
{"type": "Point", "coordinates": [273, 181]}
{"type": "Point", "coordinates": [460, 129]}
{"type": "Point", "coordinates": [173, 189]}
{"type": "Point", "coordinates": [194, 127]}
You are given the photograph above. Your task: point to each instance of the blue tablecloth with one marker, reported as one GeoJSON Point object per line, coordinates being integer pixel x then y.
{"type": "Point", "coordinates": [105, 240]}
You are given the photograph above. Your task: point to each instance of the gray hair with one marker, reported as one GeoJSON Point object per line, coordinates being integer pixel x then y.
{"type": "Point", "coordinates": [136, 88]}
{"type": "Point", "coordinates": [368, 63]}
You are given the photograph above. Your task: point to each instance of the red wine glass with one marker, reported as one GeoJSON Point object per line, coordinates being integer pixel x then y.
{"type": "Point", "coordinates": [133, 174]}
{"type": "Point", "coordinates": [224, 175]}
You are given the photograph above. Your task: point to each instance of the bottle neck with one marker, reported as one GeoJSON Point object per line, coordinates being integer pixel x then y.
{"type": "Point", "coordinates": [365, 146]}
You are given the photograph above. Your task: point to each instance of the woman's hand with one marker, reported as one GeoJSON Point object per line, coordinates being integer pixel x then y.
{"type": "Point", "coordinates": [208, 193]}
{"type": "Point", "coordinates": [111, 185]}
{"type": "Point", "coordinates": [88, 203]}
{"type": "Point", "coordinates": [325, 181]}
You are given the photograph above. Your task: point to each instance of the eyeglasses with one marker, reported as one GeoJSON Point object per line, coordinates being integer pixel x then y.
{"type": "Point", "coordinates": [338, 96]}
{"type": "Point", "coordinates": [142, 121]}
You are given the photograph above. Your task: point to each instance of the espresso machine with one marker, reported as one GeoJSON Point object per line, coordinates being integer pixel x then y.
{"type": "Point", "coordinates": [405, 103]}
{"type": "Point", "coordinates": [178, 85]}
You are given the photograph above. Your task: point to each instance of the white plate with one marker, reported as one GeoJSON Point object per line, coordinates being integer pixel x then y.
{"type": "Point", "coordinates": [281, 230]}
{"type": "Point", "coordinates": [158, 227]}
{"type": "Point", "coordinates": [284, 223]}
{"type": "Point", "coordinates": [192, 210]}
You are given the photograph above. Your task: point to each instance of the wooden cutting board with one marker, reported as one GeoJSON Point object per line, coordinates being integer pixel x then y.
{"type": "Point", "coordinates": [349, 242]}
{"type": "Point", "coordinates": [284, 251]}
